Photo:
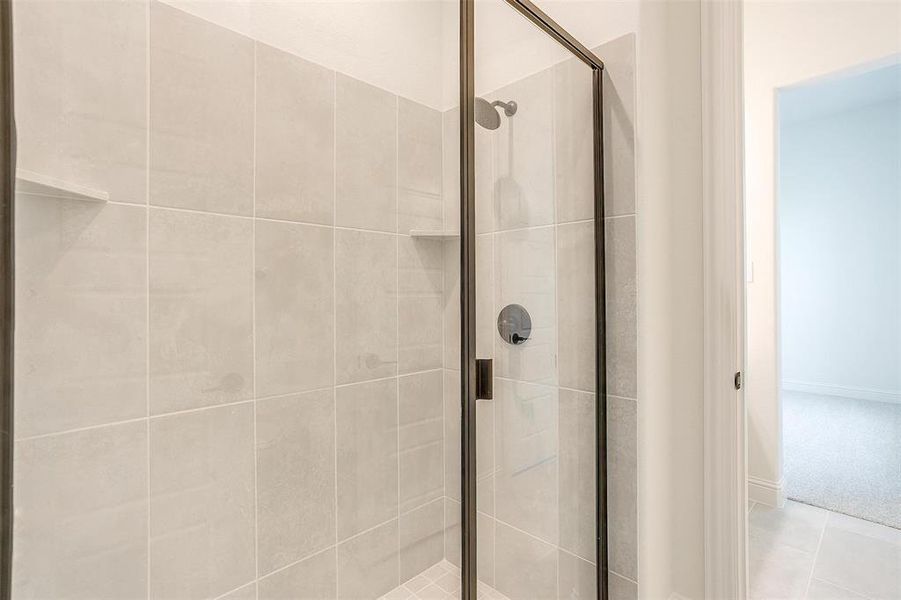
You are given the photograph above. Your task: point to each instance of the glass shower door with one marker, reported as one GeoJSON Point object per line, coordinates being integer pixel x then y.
{"type": "Point", "coordinates": [535, 310]}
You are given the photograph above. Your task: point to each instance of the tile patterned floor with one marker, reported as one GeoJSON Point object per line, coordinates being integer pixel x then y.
{"type": "Point", "coordinates": [439, 582]}
{"type": "Point", "coordinates": [803, 552]}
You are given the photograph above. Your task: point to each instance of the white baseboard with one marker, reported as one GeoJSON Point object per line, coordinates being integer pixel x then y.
{"type": "Point", "coordinates": [766, 492]}
{"type": "Point", "coordinates": [828, 389]}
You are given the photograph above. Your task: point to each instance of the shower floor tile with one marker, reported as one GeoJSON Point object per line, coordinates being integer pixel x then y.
{"type": "Point", "coordinates": [441, 581]}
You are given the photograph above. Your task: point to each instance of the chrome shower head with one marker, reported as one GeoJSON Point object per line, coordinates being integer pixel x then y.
{"type": "Point", "coordinates": [487, 115]}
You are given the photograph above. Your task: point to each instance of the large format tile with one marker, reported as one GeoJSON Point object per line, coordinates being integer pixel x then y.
{"type": "Point", "coordinates": [419, 202]}
{"type": "Point", "coordinates": [621, 588]}
{"type": "Point", "coordinates": [366, 156]}
{"type": "Point", "coordinates": [619, 125]}
{"type": "Point", "coordinates": [524, 150]}
{"type": "Point", "coordinates": [295, 477]}
{"type": "Point", "coordinates": [484, 174]}
{"type": "Point", "coordinates": [622, 485]}
{"type": "Point", "coordinates": [368, 563]}
{"type": "Point", "coordinates": [81, 324]}
{"type": "Point", "coordinates": [573, 141]}
{"type": "Point", "coordinates": [526, 567]}
{"type": "Point", "coordinates": [578, 499]}
{"type": "Point", "coordinates": [201, 114]}
{"type": "Point", "coordinates": [366, 305]}
{"type": "Point", "coordinates": [314, 578]}
{"type": "Point", "coordinates": [577, 577]}
{"type": "Point", "coordinates": [860, 556]}
{"type": "Point", "coordinates": [201, 340]}
{"type": "Point", "coordinates": [201, 502]}
{"type": "Point", "coordinates": [525, 274]}
{"type": "Point", "coordinates": [622, 310]}
{"type": "Point", "coordinates": [527, 463]}
{"type": "Point", "coordinates": [421, 438]}
{"type": "Point", "coordinates": [295, 138]}
{"type": "Point", "coordinates": [797, 525]}
{"type": "Point", "coordinates": [420, 304]}
{"type": "Point", "coordinates": [367, 455]}
{"type": "Point", "coordinates": [81, 107]}
{"type": "Point", "coordinates": [452, 417]}
{"type": "Point", "coordinates": [295, 307]}
{"type": "Point", "coordinates": [421, 538]}
{"type": "Point", "coordinates": [81, 515]}
{"type": "Point", "coordinates": [486, 315]}
{"type": "Point", "coordinates": [247, 592]}
{"type": "Point", "coordinates": [821, 590]}
{"type": "Point", "coordinates": [485, 540]}
{"type": "Point", "coordinates": [576, 316]}
{"type": "Point", "coordinates": [777, 571]}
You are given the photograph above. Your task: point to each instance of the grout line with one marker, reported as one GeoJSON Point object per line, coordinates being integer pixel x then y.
{"type": "Point", "coordinates": [621, 576]}
{"type": "Point", "coordinates": [816, 555]}
{"type": "Point", "coordinates": [253, 333]}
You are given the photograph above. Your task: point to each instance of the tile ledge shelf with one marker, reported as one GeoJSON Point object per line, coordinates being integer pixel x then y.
{"type": "Point", "coordinates": [29, 182]}
{"type": "Point", "coordinates": [434, 235]}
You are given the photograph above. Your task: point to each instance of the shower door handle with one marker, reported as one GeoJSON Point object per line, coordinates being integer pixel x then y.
{"type": "Point", "coordinates": [484, 379]}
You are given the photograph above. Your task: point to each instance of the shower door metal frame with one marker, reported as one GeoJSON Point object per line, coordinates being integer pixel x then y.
{"type": "Point", "coordinates": [468, 307]}
{"type": "Point", "coordinates": [7, 294]}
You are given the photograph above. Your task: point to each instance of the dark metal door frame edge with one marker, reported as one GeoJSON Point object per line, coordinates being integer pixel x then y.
{"type": "Point", "coordinates": [7, 294]}
{"type": "Point", "coordinates": [468, 284]}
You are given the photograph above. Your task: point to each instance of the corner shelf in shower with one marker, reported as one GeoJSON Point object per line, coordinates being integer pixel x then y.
{"type": "Point", "coordinates": [434, 235]}
{"type": "Point", "coordinates": [29, 182]}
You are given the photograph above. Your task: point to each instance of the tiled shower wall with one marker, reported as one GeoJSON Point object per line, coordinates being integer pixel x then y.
{"type": "Point", "coordinates": [229, 377]}
{"type": "Point", "coordinates": [535, 247]}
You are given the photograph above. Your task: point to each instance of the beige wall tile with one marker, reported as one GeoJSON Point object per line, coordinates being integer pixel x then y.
{"type": "Point", "coordinates": [421, 538]}
{"type": "Point", "coordinates": [248, 592]}
{"type": "Point", "coordinates": [295, 138]}
{"type": "Point", "coordinates": [578, 473]}
{"type": "Point", "coordinates": [420, 304]}
{"type": "Point", "coordinates": [81, 515]}
{"type": "Point", "coordinates": [622, 308]}
{"type": "Point", "coordinates": [526, 568]}
{"type": "Point", "coordinates": [366, 305]}
{"type": "Point", "coordinates": [621, 588]}
{"type": "Point", "coordinates": [295, 477]}
{"type": "Point", "coordinates": [524, 274]}
{"type": "Point", "coordinates": [484, 543]}
{"type": "Point", "coordinates": [484, 175]}
{"type": "Point", "coordinates": [201, 344]}
{"type": "Point", "coordinates": [81, 94]}
{"type": "Point", "coordinates": [577, 577]}
{"type": "Point", "coordinates": [367, 455]}
{"type": "Point", "coordinates": [201, 114]}
{"type": "Point", "coordinates": [81, 327]}
{"type": "Point", "coordinates": [573, 141]}
{"type": "Point", "coordinates": [419, 201]}
{"type": "Point", "coordinates": [294, 279]}
{"type": "Point", "coordinates": [202, 499]}
{"type": "Point", "coordinates": [527, 447]}
{"type": "Point", "coordinates": [368, 563]}
{"type": "Point", "coordinates": [576, 313]}
{"type": "Point", "coordinates": [314, 578]}
{"type": "Point", "coordinates": [622, 486]}
{"type": "Point", "coordinates": [452, 304]}
{"type": "Point", "coordinates": [452, 434]}
{"type": "Point", "coordinates": [421, 439]}
{"type": "Point", "coordinates": [366, 164]}
{"type": "Point", "coordinates": [523, 151]}
{"type": "Point", "coordinates": [619, 125]}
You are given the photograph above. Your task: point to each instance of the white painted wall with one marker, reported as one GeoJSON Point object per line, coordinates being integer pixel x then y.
{"type": "Point", "coordinates": [785, 43]}
{"type": "Point", "coordinates": [670, 307]}
{"type": "Point", "coordinates": [840, 249]}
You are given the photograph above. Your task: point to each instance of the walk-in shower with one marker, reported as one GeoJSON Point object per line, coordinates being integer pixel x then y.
{"type": "Point", "coordinates": [298, 316]}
